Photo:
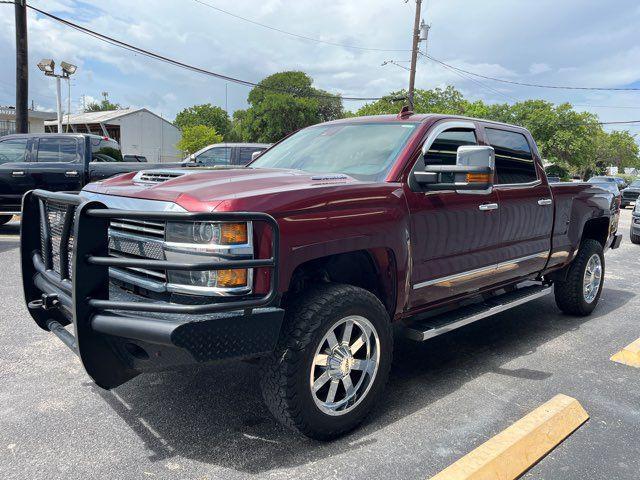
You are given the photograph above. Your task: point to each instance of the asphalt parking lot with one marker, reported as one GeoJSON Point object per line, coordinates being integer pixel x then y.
{"type": "Point", "coordinates": [445, 397]}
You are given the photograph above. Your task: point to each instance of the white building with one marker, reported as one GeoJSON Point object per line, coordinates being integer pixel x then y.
{"type": "Point", "coordinates": [36, 120]}
{"type": "Point", "coordinates": [137, 130]}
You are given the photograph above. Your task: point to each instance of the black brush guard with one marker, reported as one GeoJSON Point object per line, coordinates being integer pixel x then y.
{"type": "Point", "coordinates": [65, 272]}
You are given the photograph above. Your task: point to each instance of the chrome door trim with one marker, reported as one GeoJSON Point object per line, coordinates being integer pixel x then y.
{"type": "Point", "coordinates": [477, 271]}
{"type": "Point", "coordinates": [446, 125]}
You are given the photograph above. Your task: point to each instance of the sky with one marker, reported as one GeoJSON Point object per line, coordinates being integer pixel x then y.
{"type": "Point", "coordinates": [569, 42]}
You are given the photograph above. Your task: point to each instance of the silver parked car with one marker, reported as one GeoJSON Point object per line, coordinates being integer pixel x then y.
{"type": "Point", "coordinates": [226, 154]}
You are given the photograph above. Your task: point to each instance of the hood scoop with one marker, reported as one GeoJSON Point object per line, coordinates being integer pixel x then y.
{"type": "Point", "coordinates": [152, 177]}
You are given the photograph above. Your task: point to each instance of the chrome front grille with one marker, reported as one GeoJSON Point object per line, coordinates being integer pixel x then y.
{"type": "Point", "coordinates": [138, 239]}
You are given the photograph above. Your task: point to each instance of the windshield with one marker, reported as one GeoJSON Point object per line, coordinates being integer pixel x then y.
{"type": "Point", "coordinates": [635, 184]}
{"type": "Point", "coordinates": [365, 151]}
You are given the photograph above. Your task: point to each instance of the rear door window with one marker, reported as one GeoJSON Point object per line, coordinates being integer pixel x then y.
{"type": "Point", "coordinates": [245, 154]}
{"type": "Point", "coordinates": [215, 156]}
{"type": "Point", "coordinates": [514, 160]}
{"type": "Point", "coordinates": [13, 150]}
{"type": "Point", "coordinates": [57, 150]}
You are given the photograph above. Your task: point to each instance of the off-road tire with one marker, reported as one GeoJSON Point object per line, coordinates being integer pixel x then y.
{"type": "Point", "coordinates": [634, 238]}
{"type": "Point", "coordinates": [5, 219]}
{"type": "Point", "coordinates": [569, 292]}
{"type": "Point", "coordinates": [285, 373]}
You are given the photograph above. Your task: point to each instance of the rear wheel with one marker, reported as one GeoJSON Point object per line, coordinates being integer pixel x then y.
{"type": "Point", "coordinates": [579, 293]}
{"type": "Point", "coordinates": [5, 219]}
{"type": "Point", "coordinates": [331, 363]}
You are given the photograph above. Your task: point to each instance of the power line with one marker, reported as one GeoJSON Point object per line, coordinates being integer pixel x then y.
{"type": "Point", "coordinates": [537, 85]}
{"type": "Point", "coordinates": [297, 35]}
{"type": "Point", "coordinates": [148, 53]}
{"type": "Point", "coordinates": [478, 82]}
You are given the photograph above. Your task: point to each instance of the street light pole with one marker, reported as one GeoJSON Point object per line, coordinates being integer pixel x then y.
{"type": "Point", "coordinates": [414, 53]}
{"type": "Point", "coordinates": [47, 66]}
{"type": "Point", "coordinates": [59, 103]}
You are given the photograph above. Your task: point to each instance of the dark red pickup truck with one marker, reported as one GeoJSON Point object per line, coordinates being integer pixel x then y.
{"type": "Point", "coordinates": [308, 256]}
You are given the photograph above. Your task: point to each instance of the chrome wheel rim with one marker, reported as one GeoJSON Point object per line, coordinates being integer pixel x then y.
{"type": "Point", "coordinates": [345, 365]}
{"type": "Point", "coordinates": [592, 278]}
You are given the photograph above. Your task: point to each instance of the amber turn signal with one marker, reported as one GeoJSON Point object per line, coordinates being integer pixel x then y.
{"type": "Point", "coordinates": [478, 178]}
{"type": "Point", "coordinates": [233, 233]}
{"type": "Point", "coordinates": [232, 278]}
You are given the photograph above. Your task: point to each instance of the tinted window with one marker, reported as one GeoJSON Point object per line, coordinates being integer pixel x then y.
{"type": "Point", "coordinates": [244, 155]}
{"type": "Point", "coordinates": [215, 156]}
{"type": "Point", "coordinates": [105, 150]}
{"type": "Point", "coordinates": [366, 151]}
{"type": "Point", "coordinates": [445, 147]}
{"type": "Point", "coordinates": [57, 149]}
{"type": "Point", "coordinates": [13, 150]}
{"type": "Point", "coordinates": [514, 160]}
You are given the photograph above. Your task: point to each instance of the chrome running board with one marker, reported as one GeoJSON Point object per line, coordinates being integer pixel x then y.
{"type": "Point", "coordinates": [446, 322]}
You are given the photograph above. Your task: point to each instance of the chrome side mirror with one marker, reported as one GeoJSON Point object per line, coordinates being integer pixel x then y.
{"type": "Point", "coordinates": [473, 172]}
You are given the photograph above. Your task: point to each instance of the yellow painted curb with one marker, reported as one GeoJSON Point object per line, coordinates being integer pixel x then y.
{"type": "Point", "coordinates": [517, 448]}
{"type": "Point", "coordinates": [629, 355]}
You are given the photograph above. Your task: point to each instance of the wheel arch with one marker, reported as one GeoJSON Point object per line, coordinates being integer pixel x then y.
{"type": "Point", "coordinates": [372, 269]}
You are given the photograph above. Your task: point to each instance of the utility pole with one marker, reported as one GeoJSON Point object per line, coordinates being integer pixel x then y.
{"type": "Point", "coordinates": [414, 53]}
{"type": "Point", "coordinates": [22, 68]}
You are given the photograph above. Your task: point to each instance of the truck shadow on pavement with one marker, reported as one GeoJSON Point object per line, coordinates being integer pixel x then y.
{"type": "Point", "coordinates": [216, 415]}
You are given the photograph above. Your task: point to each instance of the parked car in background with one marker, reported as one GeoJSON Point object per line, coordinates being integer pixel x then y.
{"type": "Point", "coordinates": [622, 183]}
{"type": "Point", "coordinates": [554, 179]}
{"type": "Point", "coordinates": [635, 224]}
{"type": "Point", "coordinates": [226, 154]}
{"type": "Point", "coordinates": [135, 158]}
{"type": "Point", "coordinates": [611, 184]}
{"type": "Point", "coordinates": [56, 162]}
{"type": "Point", "coordinates": [631, 193]}
{"type": "Point", "coordinates": [312, 256]}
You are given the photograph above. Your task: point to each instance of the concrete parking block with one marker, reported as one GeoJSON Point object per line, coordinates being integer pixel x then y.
{"type": "Point", "coordinates": [629, 355]}
{"type": "Point", "coordinates": [517, 448]}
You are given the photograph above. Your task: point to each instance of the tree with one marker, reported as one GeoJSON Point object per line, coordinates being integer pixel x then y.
{"type": "Point", "coordinates": [196, 137]}
{"type": "Point", "coordinates": [447, 100]}
{"type": "Point", "coordinates": [283, 103]}
{"type": "Point", "coordinates": [103, 106]}
{"type": "Point", "coordinates": [208, 115]}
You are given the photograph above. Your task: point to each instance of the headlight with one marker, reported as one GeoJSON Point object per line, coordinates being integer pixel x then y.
{"type": "Point", "coordinates": [208, 241]}
{"type": "Point", "coordinates": [207, 233]}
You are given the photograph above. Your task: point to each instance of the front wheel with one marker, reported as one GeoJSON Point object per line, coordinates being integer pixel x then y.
{"type": "Point", "coordinates": [332, 361]}
{"type": "Point", "coordinates": [579, 292]}
{"type": "Point", "coordinates": [634, 238]}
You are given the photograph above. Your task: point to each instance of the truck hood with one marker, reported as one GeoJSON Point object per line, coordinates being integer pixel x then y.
{"type": "Point", "coordinates": [242, 189]}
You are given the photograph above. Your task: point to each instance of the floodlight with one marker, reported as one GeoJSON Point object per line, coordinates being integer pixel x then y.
{"type": "Point", "coordinates": [68, 68]}
{"type": "Point", "coordinates": [46, 65]}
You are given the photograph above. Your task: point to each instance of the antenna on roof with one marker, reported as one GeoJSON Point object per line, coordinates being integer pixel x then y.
{"type": "Point", "coordinates": [405, 112]}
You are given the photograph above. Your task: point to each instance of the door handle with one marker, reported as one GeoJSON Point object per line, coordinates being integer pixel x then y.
{"type": "Point", "coordinates": [18, 173]}
{"type": "Point", "coordinates": [488, 206]}
{"type": "Point", "coordinates": [71, 173]}
{"type": "Point", "coordinates": [544, 201]}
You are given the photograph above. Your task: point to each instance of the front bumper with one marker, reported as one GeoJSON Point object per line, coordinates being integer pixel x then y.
{"type": "Point", "coordinates": [117, 335]}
